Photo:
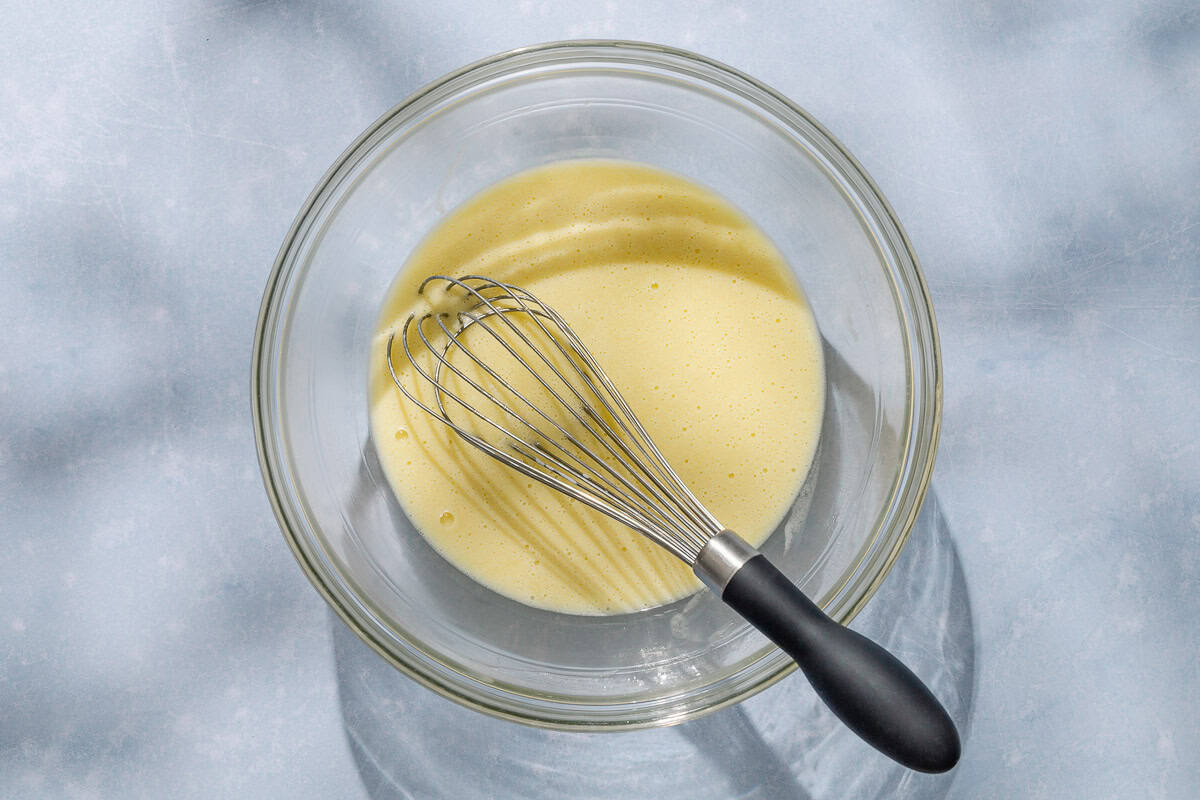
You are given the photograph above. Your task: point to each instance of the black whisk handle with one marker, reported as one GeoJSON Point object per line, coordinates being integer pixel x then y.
{"type": "Point", "coordinates": [867, 687]}
{"type": "Point", "coordinates": [864, 685]}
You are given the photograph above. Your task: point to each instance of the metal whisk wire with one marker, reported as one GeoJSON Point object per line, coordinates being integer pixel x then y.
{"type": "Point", "coordinates": [635, 485]}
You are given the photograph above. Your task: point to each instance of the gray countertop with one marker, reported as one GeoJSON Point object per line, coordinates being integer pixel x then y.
{"type": "Point", "coordinates": [158, 640]}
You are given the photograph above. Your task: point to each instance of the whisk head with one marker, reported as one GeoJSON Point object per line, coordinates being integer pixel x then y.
{"type": "Point", "coordinates": [511, 378]}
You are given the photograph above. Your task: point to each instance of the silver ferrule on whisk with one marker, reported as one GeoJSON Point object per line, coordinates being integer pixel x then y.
{"type": "Point", "coordinates": [720, 559]}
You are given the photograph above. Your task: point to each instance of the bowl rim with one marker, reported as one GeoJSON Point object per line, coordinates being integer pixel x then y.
{"type": "Point", "coordinates": [906, 494]}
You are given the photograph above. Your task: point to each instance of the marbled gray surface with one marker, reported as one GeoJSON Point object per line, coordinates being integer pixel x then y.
{"type": "Point", "coordinates": [156, 637]}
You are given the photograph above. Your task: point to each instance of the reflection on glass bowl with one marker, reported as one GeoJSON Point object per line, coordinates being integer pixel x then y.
{"type": "Point", "coordinates": [408, 742]}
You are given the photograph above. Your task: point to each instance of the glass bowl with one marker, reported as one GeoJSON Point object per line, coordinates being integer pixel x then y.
{"type": "Point", "coordinates": [640, 102]}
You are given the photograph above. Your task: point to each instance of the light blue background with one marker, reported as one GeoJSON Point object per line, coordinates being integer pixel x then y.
{"type": "Point", "coordinates": [157, 638]}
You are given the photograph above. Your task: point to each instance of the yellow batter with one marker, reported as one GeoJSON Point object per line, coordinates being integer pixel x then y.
{"type": "Point", "coordinates": [695, 316]}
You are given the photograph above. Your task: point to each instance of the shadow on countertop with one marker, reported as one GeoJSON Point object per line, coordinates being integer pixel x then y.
{"type": "Point", "coordinates": [410, 743]}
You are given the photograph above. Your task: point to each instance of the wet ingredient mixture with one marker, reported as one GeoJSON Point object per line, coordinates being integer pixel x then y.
{"type": "Point", "coordinates": [698, 320]}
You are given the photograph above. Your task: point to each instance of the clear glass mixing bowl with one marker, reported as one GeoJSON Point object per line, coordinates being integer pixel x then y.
{"type": "Point", "coordinates": [646, 103]}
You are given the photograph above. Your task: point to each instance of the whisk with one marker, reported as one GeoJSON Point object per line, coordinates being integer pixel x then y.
{"type": "Point", "coordinates": [509, 376]}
